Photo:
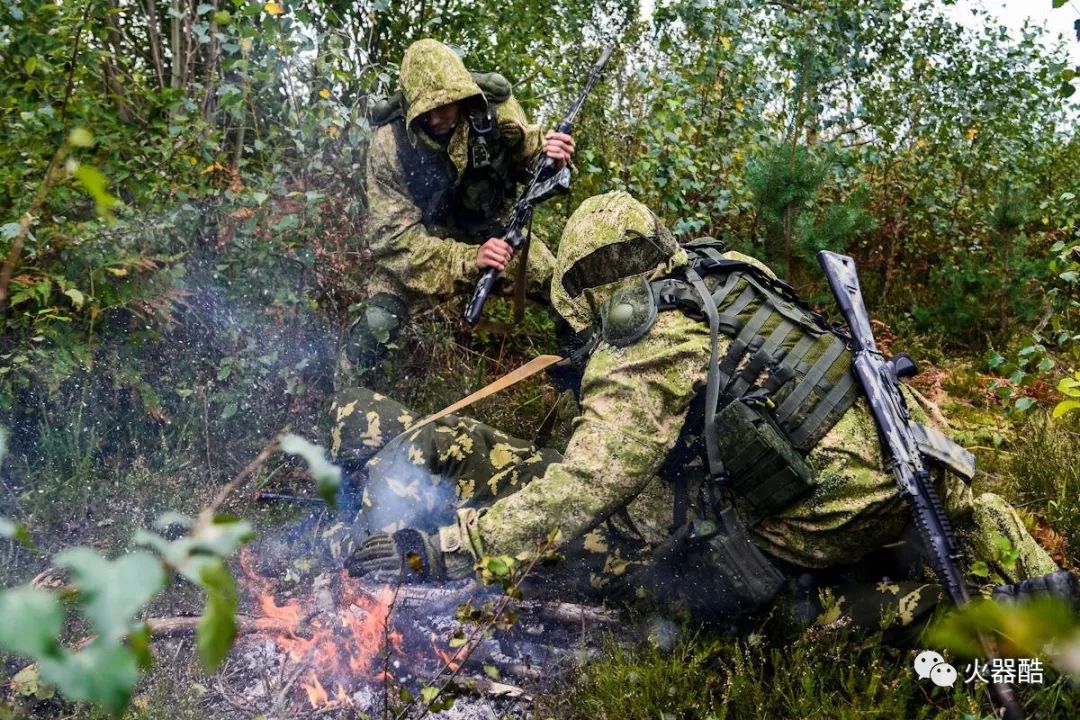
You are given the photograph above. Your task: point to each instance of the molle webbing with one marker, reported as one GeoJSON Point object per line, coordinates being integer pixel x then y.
{"type": "Point", "coordinates": [776, 345]}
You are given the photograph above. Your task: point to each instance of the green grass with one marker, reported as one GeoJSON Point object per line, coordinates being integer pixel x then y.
{"type": "Point", "coordinates": [1046, 471]}
{"type": "Point", "coordinates": [839, 675]}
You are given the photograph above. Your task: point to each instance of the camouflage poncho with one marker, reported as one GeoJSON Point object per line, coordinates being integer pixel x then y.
{"type": "Point", "coordinates": [414, 260]}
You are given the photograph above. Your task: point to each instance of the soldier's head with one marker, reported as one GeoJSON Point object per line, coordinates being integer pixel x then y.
{"type": "Point", "coordinates": [610, 241]}
{"type": "Point", "coordinates": [435, 86]}
{"type": "Point", "coordinates": [440, 122]}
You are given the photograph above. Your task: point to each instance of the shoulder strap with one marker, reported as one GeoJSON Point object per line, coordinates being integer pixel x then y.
{"type": "Point", "coordinates": [712, 387]}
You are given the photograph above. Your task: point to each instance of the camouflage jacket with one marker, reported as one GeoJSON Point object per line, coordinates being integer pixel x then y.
{"type": "Point", "coordinates": [636, 406]}
{"type": "Point", "coordinates": [420, 250]}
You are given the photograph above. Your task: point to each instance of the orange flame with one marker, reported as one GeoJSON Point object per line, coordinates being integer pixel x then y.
{"type": "Point", "coordinates": [344, 646]}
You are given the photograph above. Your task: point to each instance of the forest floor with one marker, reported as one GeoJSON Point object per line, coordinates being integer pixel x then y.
{"type": "Point", "coordinates": [99, 464]}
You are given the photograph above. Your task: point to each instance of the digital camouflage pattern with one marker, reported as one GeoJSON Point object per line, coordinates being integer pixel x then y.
{"type": "Point", "coordinates": [420, 478]}
{"type": "Point", "coordinates": [413, 261]}
{"type": "Point", "coordinates": [612, 494]}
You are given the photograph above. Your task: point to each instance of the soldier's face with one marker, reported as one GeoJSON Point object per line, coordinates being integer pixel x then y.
{"type": "Point", "coordinates": [441, 121]}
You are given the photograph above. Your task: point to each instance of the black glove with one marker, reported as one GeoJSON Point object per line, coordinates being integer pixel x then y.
{"type": "Point", "coordinates": [409, 554]}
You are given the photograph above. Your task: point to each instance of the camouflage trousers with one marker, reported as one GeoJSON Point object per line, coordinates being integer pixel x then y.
{"type": "Point", "coordinates": [420, 478]}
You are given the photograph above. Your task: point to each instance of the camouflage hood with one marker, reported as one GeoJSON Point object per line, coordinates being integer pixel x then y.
{"type": "Point", "coordinates": [433, 75]}
{"type": "Point", "coordinates": [610, 241]}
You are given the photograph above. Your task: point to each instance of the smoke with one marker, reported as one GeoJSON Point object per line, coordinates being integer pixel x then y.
{"type": "Point", "coordinates": [402, 491]}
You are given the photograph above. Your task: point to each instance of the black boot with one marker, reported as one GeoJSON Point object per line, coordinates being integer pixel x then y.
{"type": "Point", "coordinates": [1061, 584]}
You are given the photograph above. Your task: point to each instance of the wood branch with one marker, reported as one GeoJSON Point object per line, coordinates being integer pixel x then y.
{"type": "Point", "coordinates": [207, 515]}
{"type": "Point", "coordinates": [154, 35]}
{"type": "Point", "coordinates": [485, 686]}
{"type": "Point", "coordinates": [564, 612]}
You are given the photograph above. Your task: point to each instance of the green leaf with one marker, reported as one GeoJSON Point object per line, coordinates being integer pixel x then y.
{"type": "Point", "coordinates": [95, 183]}
{"type": "Point", "coordinates": [14, 531]}
{"type": "Point", "coordinates": [139, 642]}
{"type": "Point", "coordinates": [104, 673]}
{"type": "Point", "coordinates": [223, 536]}
{"type": "Point", "coordinates": [81, 137]}
{"type": "Point", "coordinates": [327, 475]}
{"type": "Point", "coordinates": [76, 296]}
{"type": "Point", "coordinates": [228, 411]}
{"type": "Point", "coordinates": [497, 566]}
{"type": "Point", "coordinates": [31, 621]}
{"type": "Point", "coordinates": [1065, 407]}
{"type": "Point", "coordinates": [980, 569]}
{"type": "Point", "coordinates": [1024, 404]}
{"type": "Point", "coordinates": [1045, 365]}
{"type": "Point", "coordinates": [1069, 386]}
{"type": "Point", "coordinates": [217, 626]}
{"type": "Point", "coordinates": [111, 592]}
{"type": "Point", "coordinates": [428, 694]}
{"type": "Point", "coordinates": [1059, 3]}
{"type": "Point", "coordinates": [492, 672]}
{"type": "Point", "coordinates": [30, 65]}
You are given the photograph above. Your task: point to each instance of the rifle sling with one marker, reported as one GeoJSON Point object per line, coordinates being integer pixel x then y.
{"type": "Point", "coordinates": [511, 378]}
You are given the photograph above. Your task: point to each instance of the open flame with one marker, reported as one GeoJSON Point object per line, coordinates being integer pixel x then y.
{"type": "Point", "coordinates": [344, 647]}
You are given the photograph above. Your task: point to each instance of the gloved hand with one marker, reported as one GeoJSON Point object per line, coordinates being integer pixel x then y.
{"type": "Point", "coordinates": [409, 554]}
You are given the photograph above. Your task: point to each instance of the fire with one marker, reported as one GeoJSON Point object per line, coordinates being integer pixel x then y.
{"type": "Point", "coordinates": [344, 647]}
{"type": "Point", "coordinates": [447, 657]}
{"type": "Point", "coordinates": [317, 696]}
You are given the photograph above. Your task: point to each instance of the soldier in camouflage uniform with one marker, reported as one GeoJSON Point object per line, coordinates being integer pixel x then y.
{"type": "Point", "coordinates": [442, 171]}
{"type": "Point", "coordinates": [632, 495]}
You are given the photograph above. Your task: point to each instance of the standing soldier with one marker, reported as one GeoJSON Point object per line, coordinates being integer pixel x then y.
{"type": "Point", "coordinates": [444, 162]}
{"type": "Point", "coordinates": [635, 495]}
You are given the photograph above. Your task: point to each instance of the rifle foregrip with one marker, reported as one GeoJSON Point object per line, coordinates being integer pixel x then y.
{"type": "Point", "coordinates": [480, 295]}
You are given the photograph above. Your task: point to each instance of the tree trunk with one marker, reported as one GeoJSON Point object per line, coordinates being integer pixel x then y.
{"type": "Point", "coordinates": [153, 34]}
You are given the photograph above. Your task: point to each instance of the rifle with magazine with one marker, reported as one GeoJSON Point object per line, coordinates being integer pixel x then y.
{"type": "Point", "coordinates": [542, 185]}
{"type": "Point", "coordinates": [908, 445]}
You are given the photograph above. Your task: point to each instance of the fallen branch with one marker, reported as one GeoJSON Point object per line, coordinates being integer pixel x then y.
{"type": "Point", "coordinates": [207, 515]}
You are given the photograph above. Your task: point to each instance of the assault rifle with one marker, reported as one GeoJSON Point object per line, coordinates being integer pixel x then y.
{"type": "Point", "coordinates": [880, 380]}
{"type": "Point", "coordinates": [542, 185]}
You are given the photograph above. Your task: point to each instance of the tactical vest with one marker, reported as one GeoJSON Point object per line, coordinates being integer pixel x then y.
{"type": "Point", "coordinates": [783, 383]}
{"type": "Point", "coordinates": [470, 207]}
